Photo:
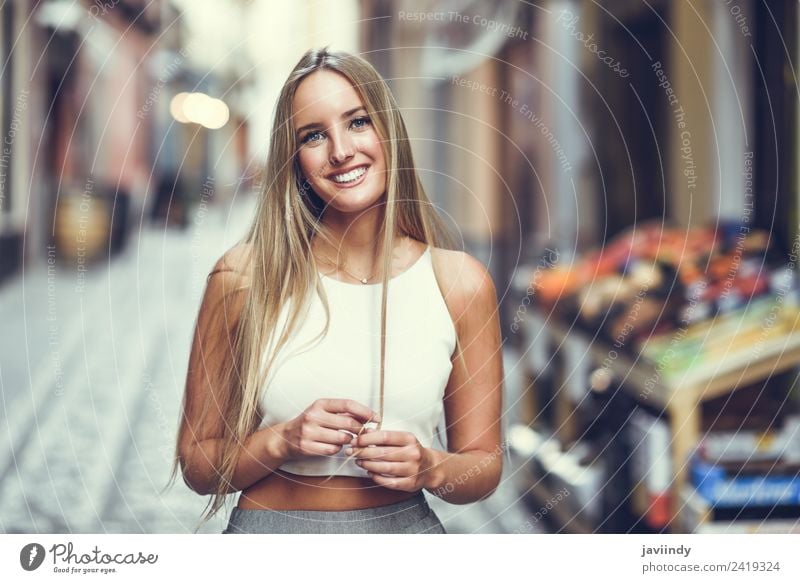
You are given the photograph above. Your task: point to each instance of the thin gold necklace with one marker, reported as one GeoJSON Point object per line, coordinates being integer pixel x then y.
{"type": "Point", "coordinates": [363, 280]}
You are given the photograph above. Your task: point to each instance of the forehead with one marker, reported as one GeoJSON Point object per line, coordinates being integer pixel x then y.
{"type": "Point", "coordinates": [323, 97]}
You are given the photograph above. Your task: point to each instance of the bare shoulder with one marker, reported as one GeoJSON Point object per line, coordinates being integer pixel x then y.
{"type": "Point", "coordinates": [228, 277]}
{"type": "Point", "coordinates": [465, 282]}
{"type": "Point", "coordinates": [235, 260]}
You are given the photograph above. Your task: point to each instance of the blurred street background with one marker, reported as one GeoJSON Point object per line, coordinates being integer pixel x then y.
{"type": "Point", "coordinates": [627, 170]}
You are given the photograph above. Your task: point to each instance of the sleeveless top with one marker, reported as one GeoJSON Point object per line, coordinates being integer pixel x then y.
{"type": "Point", "coordinates": [420, 340]}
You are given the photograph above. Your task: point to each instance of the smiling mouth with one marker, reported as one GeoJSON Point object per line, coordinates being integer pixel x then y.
{"type": "Point", "coordinates": [351, 177]}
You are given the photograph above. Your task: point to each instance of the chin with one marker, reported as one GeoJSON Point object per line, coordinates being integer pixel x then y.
{"type": "Point", "coordinates": [347, 202]}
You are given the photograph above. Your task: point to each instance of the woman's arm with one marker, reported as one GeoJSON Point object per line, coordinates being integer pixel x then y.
{"type": "Point", "coordinates": [200, 435]}
{"type": "Point", "coordinates": [260, 457]}
{"type": "Point", "coordinates": [471, 469]}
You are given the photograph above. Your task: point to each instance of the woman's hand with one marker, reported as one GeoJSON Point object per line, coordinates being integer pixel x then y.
{"type": "Point", "coordinates": [394, 459]}
{"type": "Point", "coordinates": [322, 429]}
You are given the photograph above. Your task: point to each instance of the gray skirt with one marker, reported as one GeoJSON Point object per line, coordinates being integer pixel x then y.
{"type": "Point", "coordinates": [412, 516]}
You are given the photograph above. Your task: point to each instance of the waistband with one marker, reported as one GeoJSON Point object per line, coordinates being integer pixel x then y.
{"type": "Point", "coordinates": [416, 503]}
{"type": "Point", "coordinates": [409, 516]}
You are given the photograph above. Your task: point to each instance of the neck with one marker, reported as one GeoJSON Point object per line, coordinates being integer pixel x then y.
{"type": "Point", "coordinates": [355, 241]}
{"type": "Point", "coordinates": [356, 235]}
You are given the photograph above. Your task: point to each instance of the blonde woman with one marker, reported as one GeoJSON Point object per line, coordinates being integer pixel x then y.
{"type": "Point", "coordinates": [330, 341]}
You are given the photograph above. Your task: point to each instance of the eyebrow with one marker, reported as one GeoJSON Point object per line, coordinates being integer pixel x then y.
{"type": "Point", "coordinates": [319, 125]}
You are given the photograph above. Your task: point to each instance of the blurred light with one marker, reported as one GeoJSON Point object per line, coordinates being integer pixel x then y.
{"type": "Point", "coordinates": [61, 15]}
{"type": "Point", "coordinates": [176, 107]}
{"type": "Point", "coordinates": [600, 380]}
{"type": "Point", "coordinates": [195, 107]}
{"type": "Point", "coordinates": [201, 109]}
{"type": "Point", "coordinates": [524, 440]}
{"type": "Point", "coordinates": [217, 114]}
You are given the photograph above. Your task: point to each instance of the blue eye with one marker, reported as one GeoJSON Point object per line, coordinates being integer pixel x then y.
{"type": "Point", "coordinates": [357, 123]}
{"type": "Point", "coordinates": [362, 121]}
{"type": "Point", "coordinates": [308, 137]}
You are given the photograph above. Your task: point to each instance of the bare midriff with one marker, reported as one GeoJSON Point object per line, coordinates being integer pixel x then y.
{"type": "Point", "coordinates": [284, 491]}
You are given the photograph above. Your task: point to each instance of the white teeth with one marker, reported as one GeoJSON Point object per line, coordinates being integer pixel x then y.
{"type": "Point", "coordinates": [350, 176]}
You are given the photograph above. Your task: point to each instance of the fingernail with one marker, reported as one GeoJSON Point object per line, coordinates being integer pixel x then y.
{"type": "Point", "coordinates": [348, 451]}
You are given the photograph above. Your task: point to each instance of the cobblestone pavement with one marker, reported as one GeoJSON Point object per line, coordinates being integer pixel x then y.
{"type": "Point", "coordinates": [92, 370]}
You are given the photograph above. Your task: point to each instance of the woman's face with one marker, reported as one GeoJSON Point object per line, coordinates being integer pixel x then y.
{"type": "Point", "coordinates": [339, 151]}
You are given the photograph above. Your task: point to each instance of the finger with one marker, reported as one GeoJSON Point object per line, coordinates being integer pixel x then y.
{"type": "Point", "coordinates": [396, 469]}
{"type": "Point", "coordinates": [319, 448]}
{"type": "Point", "coordinates": [359, 411]}
{"type": "Point", "coordinates": [337, 421]}
{"type": "Point", "coordinates": [384, 437]}
{"type": "Point", "coordinates": [332, 436]}
{"type": "Point", "coordinates": [393, 454]}
{"type": "Point", "coordinates": [405, 484]}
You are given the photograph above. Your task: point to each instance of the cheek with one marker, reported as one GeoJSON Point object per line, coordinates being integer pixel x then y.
{"type": "Point", "coordinates": [375, 150]}
{"type": "Point", "coordinates": [310, 162]}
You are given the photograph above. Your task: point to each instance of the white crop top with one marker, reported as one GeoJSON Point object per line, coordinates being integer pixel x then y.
{"type": "Point", "coordinates": [345, 364]}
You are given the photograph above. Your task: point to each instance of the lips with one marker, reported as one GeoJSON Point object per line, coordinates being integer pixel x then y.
{"type": "Point", "coordinates": [352, 172]}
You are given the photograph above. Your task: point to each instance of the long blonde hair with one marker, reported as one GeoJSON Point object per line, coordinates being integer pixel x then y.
{"type": "Point", "coordinates": [281, 266]}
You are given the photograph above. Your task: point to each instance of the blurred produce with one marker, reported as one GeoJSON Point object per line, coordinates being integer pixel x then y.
{"type": "Point", "coordinates": [679, 298]}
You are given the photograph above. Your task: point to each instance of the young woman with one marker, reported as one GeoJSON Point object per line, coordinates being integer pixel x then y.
{"type": "Point", "coordinates": [330, 341]}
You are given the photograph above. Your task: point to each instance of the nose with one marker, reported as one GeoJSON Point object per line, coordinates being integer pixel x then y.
{"type": "Point", "coordinates": [342, 147]}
